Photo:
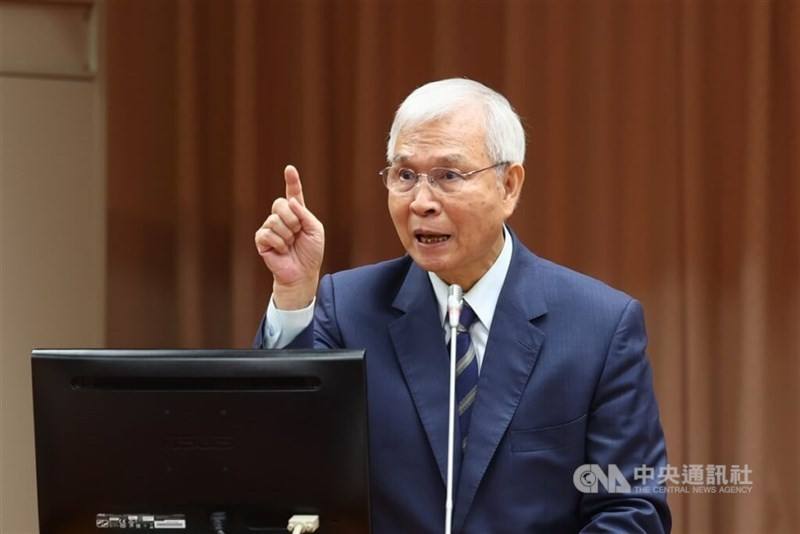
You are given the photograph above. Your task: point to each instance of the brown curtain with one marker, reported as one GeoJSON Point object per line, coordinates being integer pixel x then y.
{"type": "Point", "coordinates": [664, 158]}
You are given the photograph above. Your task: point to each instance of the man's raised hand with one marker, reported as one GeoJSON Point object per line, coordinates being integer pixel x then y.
{"type": "Point", "coordinates": [291, 242]}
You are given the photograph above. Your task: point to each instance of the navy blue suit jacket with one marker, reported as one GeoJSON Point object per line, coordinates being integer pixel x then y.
{"type": "Point", "coordinates": [564, 382]}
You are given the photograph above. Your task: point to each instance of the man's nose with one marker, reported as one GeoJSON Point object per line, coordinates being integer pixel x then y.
{"type": "Point", "coordinates": [424, 201]}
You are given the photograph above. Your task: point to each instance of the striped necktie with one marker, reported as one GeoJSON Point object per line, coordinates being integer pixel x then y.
{"type": "Point", "coordinates": [466, 372]}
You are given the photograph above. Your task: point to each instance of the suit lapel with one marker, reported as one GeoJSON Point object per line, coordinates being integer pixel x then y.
{"type": "Point", "coordinates": [418, 340]}
{"type": "Point", "coordinates": [510, 356]}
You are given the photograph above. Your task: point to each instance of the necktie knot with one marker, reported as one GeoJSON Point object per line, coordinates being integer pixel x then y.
{"type": "Point", "coordinates": [467, 318]}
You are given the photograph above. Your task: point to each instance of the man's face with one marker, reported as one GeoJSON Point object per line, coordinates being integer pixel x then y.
{"type": "Point", "coordinates": [459, 235]}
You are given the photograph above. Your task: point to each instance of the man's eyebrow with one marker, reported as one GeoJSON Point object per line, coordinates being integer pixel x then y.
{"type": "Point", "coordinates": [446, 160]}
{"type": "Point", "coordinates": [452, 159]}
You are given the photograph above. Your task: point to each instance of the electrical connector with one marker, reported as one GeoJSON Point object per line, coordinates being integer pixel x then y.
{"type": "Point", "coordinates": [301, 524]}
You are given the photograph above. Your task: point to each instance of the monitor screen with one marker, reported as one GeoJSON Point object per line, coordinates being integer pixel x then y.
{"type": "Point", "coordinates": [162, 439]}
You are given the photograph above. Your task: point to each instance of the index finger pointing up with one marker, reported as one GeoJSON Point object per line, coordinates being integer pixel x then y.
{"type": "Point", "coordinates": [294, 189]}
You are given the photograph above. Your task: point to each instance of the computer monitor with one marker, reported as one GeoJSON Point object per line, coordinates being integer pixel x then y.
{"type": "Point", "coordinates": [159, 440]}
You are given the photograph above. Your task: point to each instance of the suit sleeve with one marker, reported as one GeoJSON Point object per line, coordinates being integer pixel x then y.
{"type": "Point", "coordinates": [624, 430]}
{"type": "Point", "coordinates": [323, 332]}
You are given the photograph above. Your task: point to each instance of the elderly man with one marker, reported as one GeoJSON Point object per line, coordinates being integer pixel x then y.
{"type": "Point", "coordinates": [552, 372]}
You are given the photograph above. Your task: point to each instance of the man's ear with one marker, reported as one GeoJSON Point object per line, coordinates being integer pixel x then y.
{"type": "Point", "coordinates": [512, 182]}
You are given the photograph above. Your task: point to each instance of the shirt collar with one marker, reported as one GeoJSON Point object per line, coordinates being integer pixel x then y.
{"type": "Point", "coordinates": [482, 297]}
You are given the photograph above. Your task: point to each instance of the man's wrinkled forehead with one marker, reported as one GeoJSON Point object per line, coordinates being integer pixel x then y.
{"type": "Point", "coordinates": [453, 140]}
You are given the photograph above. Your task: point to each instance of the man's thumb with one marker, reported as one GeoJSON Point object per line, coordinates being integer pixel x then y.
{"type": "Point", "coordinates": [308, 221]}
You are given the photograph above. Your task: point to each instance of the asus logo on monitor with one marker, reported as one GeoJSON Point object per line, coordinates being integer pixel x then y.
{"type": "Point", "coordinates": [199, 443]}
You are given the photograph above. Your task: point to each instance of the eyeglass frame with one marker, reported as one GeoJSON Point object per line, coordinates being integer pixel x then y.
{"type": "Point", "coordinates": [384, 173]}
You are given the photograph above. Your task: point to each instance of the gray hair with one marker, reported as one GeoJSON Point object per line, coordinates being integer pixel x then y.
{"type": "Point", "coordinates": [505, 137]}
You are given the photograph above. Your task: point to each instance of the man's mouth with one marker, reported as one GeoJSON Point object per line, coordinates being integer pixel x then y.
{"type": "Point", "coordinates": [428, 238]}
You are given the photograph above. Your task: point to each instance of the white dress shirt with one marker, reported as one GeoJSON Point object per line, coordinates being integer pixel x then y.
{"type": "Point", "coordinates": [482, 298]}
{"type": "Point", "coordinates": [282, 326]}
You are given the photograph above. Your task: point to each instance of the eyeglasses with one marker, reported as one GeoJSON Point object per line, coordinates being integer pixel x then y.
{"type": "Point", "coordinates": [403, 180]}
